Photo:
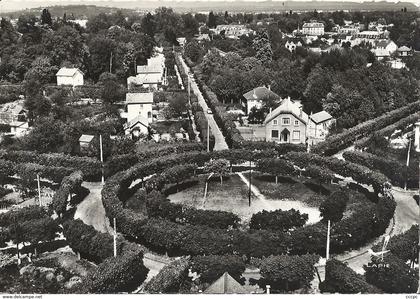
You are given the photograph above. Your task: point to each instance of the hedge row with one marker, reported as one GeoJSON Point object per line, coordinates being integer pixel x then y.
{"type": "Point", "coordinates": [393, 169]}
{"type": "Point", "coordinates": [359, 173]}
{"type": "Point", "coordinates": [211, 267]}
{"type": "Point", "coordinates": [90, 167]}
{"type": "Point", "coordinates": [170, 278]}
{"type": "Point", "coordinates": [388, 130]}
{"type": "Point", "coordinates": [337, 142]}
{"type": "Point", "coordinates": [163, 208]}
{"type": "Point", "coordinates": [70, 184]}
{"type": "Point", "coordinates": [120, 162]}
{"type": "Point", "coordinates": [339, 278]}
{"type": "Point", "coordinates": [278, 220]}
{"type": "Point", "coordinates": [179, 239]}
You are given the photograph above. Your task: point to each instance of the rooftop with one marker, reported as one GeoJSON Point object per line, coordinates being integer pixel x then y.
{"type": "Point", "coordinates": [139, 98]}
{"type": "Point", "coordinates": [86, 138]}
{"type": "Point", "coordinates": [288, 106]}
{"type": "Point", "coordinates": [321, 116]}
{"type": "Point", "coordinates": [68, 72]}
{"type": "Point", "coordinates": [260, 93]}
{"type": "Point", "coordinates": [226, 284]}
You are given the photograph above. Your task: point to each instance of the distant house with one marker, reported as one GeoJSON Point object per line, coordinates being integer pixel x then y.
{"type": "Point", "coordinates": [84, 142]}
{"type": "Point", "coordinates": [15, 115]}
{"type": "Point", "coordinates": [256, 97]}
{"type": "Point", "coordinates": [70, 76]}
{"type": "Point", "coordinates": [226, 284]}
{"type": "Point", "coordinates": [384, 48]}
{"type": "Point", "coordinates": [291, 45]}
{"type": "Point", "coordinates": [203, 37]}
{"type": "Point", "coordinates": [313, 28]}
{"type": "Point", "coordinates": [404, 51]}
{"type": "Point", "coordinates": [137, 111]}
{"type": "Point", "coordinates": [288, 123]}
{"type": "Point", "coordinates": [181, 41]}
{"type": "Point", "coordinates": [152, 75]}
{"type": "Point", "coordinates": [233, 31]}
{"type": "Point", "coordinates": [137, 126]}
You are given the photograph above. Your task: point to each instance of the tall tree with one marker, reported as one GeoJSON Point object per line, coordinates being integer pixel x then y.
{"type": "Point", "coordinates": [46, 17]}
{"type": "Point", "coordinates": [211, 23]}
{"type": "Point", "coordinates": [262, 47]}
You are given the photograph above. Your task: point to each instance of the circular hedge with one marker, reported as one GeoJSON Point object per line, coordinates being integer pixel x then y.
{"type": "Point", "coordinates": [193, 238]}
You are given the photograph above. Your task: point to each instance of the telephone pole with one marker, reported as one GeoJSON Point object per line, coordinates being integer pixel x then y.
{"type": "Point", "coordinates": [39, 189]}
{"type": "Point", "coordinates": [102, 158]}
{"type": "Point", "coordinates": [115, 237]}
{"type": "Point", "coordinates": [327, 255]}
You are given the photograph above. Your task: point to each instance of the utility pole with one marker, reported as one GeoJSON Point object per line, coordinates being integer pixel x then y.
{"type": "Point", "coordinates": [17, 241]}
{"type": "Point", "coordinates": [408, 162]}
{"type": "Point", "coordinates": [249, 187]}
{"type": "Point", "coordinates": [208, 136]}
{"type": "Point", "coordinates": [115, 237]}
{"type": "Point", "coordinates": [327, 255]}
{"type": "Point", "coordinates": [110, 63]}
{"type": "Point", "coordinates": [102, 158]}
{"type": "Point", "coordinates": [39, 189]}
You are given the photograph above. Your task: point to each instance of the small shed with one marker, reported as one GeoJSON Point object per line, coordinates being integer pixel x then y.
{"type": "Point", "coordinates": [70, 76]}
{"type": "Point", "coordinates": [85, 141]}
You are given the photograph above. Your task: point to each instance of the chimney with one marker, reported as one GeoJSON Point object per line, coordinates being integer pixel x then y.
{"type": "Point", "coordinates": [300, 111]}
{"type": "Point", "coordinates": [269, 87]}
{"type": "Point", "coordinates": [271, 109]}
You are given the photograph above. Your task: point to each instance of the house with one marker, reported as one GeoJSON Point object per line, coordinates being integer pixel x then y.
{"type": "Point", "coordinates": [233, 31]}
{"type": "Point", "coordinates": [203, 37]}
{"type": "Point", "coordinates": [70, 76]}
{"type": "Point", "coordinates": [288, 123]}
{"type": "Point", "coordinates": [384, 48]}
{"type": "Point", "coordinates": [313, 28]}
{"type": "Point", "coordinates": [319, 125]}
{"type": "Point", "coordinates": [152, 75]}
{"type": "Point", "coordinates": [256, 97]}
{"type": "Point", "coordinates": [226, 284]}
{"type": "Point", "coordinates": [291, 45]}
{"type": "Point", "coordinates": [137, 126]}
{"type": "Point", "coordinates": [84, 142]}
{"type": "Point", "coordinates": [138, 104]}
{"type": "Point", "coordinates": [15, 115]}
{"type": "Point", "coordinates": [404, 51]}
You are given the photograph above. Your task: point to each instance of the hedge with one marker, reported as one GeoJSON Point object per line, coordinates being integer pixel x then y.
{"type": "Point", "coordinates": [288, 272]}
{"type": "Point", "coordinates": [340, 141]}
{"type": "Point", "coordinates": [170, 278]}
{"type": "Point", "coordinates": [211, 267]}
{"type": "Point", "coordinates": [393, 169]}
{"type": "Point", "coordinates": [124, 273]}
{"type": "Point", "coordinates": [388, 130]}
{"type": "Point", "coordinates": [359, 173]}
{"type": "Point", "coordinates": [24, 214]}
{"type": "Point", "coordinates": [90, 167]}
{"type": "Point", "coordinates": [70, 184]}
{"type": "Point", "coordinates": [278, 220]}
{"type": "Point", "coordinates": [365, 223]}
{"type": "Point", "coordinates": [180, 214]}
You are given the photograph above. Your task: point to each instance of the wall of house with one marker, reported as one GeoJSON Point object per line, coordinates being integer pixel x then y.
{"type": "Point", "coordinates": [78, 79]}
{"type": "Point", "coordinates": [134, 110]}
{"type": "Point", "coordinates": [318, 132]}
{"type": "Point", "coordinates": [292, 127]}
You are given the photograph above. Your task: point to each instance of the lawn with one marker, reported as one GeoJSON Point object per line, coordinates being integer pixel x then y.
{"type": "Point", "coordinates": [232, 196]}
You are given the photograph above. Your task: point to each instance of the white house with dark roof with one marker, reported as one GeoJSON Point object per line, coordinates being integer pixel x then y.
{"type": "Point", "coordinates": [288, 123]}
{"type": "Point", "coordinates": [384, 48]}
{"type": "Point", "coordinates": [313, 28]}
{"type": "Point", "coordinates": [256, 97]}
{"type": "Point", "coordinates": [138, 104]}
{"type": "Point", "coordinates": [404, 51]}
{"type": "Point", "coordinates": [70, 76]}
{"type": "Point", "coordinates": [15, 115]}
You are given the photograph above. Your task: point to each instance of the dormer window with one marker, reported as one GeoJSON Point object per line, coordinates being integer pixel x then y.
{"type": "Point", "coordinates": [275, 122]}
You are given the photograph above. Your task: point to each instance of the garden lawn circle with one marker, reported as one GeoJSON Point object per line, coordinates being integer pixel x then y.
{"type": "Point", "coordinates": [232, 196]}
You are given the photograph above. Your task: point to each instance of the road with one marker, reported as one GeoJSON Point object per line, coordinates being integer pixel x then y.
{"type": "Point", "coordinates": [220, 143]}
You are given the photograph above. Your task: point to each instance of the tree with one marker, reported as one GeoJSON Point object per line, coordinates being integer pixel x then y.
{"type": "Point", "coordinates": [193, 50]}
{"type": "Point", "coordinates": [333, 207]}
{"type": "Point", "coordinates": [262, 46]}
{"type": "Point", "coordinates": [392, 275]}
{"type": "Point", "coordinates": [218, 167]}
{"type": "Point", "coordinates": [211, 23]}
{"type": "Point", "coordinates": [177, 106]}
{"type": "Point", "coordinates": [322, 174]}
{"type": "Point", "coordinates": [46, 17]}
{"type": "Point", "coordinates": [111, 90]}
{"type": "Point", "coordinates": [278, 220]}
{"type": "Point", "coordinates": [100, 49]}
{"type": "Point", "coordinates": [277, 167]}
{"type": "Point", "coordinates": [148, 25]}
{"type": "Point", "coordinates": [41, 70]}
{"type": "Point", "coordinates": [45, 136]}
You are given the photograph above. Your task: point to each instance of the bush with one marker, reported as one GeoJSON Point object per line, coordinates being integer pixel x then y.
{"type": "Point", "coordinates": [277, 167]}
{"type": "Point", "coordinates": [288, 272]}
{"type": "Point", "coordinates": [124, 273]}
{"type": "Point", "coordinates": [337, 142]}
{"type": "Point", "coordinates": [278, 220]}
{"type": "Point", "coordinates": [10, 218]}
{"type": "Point", "coordinates": [392, 275]}
{"type": "Point", "coordinates": [341, 279]}
{"type": "Point", "coordinates": [170, 278]}
{"type": "Point", "coordinates": [333, 207]}
{"type": "Point", "coordinates": [211, 267]}
{"type": "Point", "coordinates": [70, 184]}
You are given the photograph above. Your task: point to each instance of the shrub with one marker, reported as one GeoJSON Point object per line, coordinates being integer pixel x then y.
{"type": "Point", "coordinates": [211, 267]}
{"type": "Point", "coordinates": [333, 207]}
{"type": "Point", "coordinates": [278, 220]}
{"type": "Point", "coordinates": [392, 275]}
{"type": "Point", "coordinates": [124, 273]}
{"type": "Point", "coordinates": [70, 184]}
{"type": "Point", "coordinates": [10, 218]}
{"type": "Point", "coordinates": [341, 279]}
{"type": "Point", "coordinates": [170, 278]}
{"type": "Point", "coordinates": [277, 167]}
{"type": "Point", "coordinates": [288, 272]}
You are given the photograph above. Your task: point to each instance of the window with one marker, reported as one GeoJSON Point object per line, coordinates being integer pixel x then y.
{"type": "Point", "coordinates": [275, 122]}
{"type": "Point", "coordinates": [296, 135]}
{"type": "Point", "coordinates": [149, 114]}
{"type": "Point", "coordinates": [274, 134]}
{"type": "Point", "coordinates": [296, 123]}
{"type": "Point", "coordinates": [286, 121]}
